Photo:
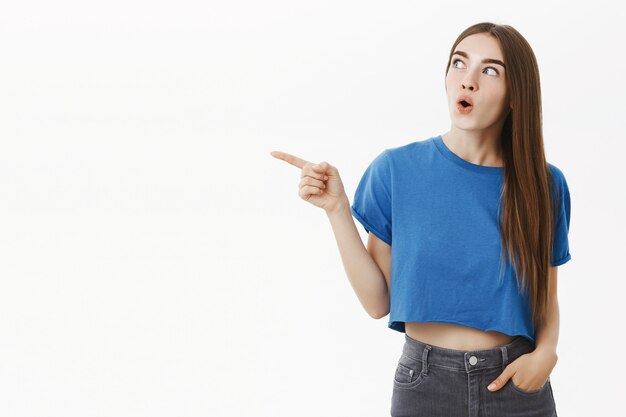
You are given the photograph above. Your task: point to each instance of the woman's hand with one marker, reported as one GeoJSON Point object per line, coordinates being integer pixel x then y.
{"type": "Point", "coordinates": [319, 185]}
{"type": "Point", "coordinates": [529, 372]}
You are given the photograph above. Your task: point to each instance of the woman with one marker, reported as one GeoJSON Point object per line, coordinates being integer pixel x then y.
{"type": "Point", "coordinates": [479, 223]}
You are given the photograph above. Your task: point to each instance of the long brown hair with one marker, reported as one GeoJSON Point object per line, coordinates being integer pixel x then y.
{"type": "Point", "coordinates": [527, 209]}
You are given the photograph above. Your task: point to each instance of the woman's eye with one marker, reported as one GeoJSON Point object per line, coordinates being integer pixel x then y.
{"type": "Point", "coordinates": [493, 69]}
{"type": "Point", "coordinates": [488, 68]}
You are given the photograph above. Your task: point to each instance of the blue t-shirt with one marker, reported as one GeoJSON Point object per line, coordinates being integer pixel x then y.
{"type": "Point", "coordinates": [441, 213]}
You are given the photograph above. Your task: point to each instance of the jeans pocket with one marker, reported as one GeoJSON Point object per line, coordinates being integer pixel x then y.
{"type": "Point", "coordinates": [511, 400]}
{"type": "Point", "coordinates": [408, 372]}
{"type": "Point", "coordinates": [524, 392]}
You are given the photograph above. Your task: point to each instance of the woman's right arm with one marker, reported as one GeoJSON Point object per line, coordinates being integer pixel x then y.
{"type": "Point", "coordinates": [368, 269]}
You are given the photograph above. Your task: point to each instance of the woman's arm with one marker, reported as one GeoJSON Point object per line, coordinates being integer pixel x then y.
{"type": "Point", "coordinates": [364, 273]}
{"type": "Point", "coordinates": [547, 334]}
{"type": "Point", "coordinates": [321, 186]}
{"type": "Point", "coordinates": [537, 365]}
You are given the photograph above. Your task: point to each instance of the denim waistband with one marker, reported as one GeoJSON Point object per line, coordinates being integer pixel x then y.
{"type": "Point", "coordinates": [466, 360]}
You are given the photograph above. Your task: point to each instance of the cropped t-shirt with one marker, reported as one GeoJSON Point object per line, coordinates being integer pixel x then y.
{"type": "Point", "coordinates": [439, 212]}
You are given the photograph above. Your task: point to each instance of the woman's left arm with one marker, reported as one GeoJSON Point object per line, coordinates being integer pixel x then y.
{"type": "Point", "coordinates": [535, 367]}
{"type": "Point", "coordinates": [547, 334]}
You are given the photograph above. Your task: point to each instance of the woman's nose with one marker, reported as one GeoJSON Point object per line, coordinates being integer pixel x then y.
{"type": "Point", "coordinates": [469, 84]}
{"type": "Point", "coordinates": [468, 81]}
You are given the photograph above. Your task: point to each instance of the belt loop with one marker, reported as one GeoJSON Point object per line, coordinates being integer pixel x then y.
{"type": "Point", "coordinates": [425, 359]}
{"type": "Point", "coordinates": [505, 358]}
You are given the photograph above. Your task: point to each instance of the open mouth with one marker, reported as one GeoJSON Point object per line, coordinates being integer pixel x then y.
{"type": "Point", "coordinates": [464, 106]}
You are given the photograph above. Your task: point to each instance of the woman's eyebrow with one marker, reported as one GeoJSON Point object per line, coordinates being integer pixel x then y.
{"type": "Point", "coordinates": [485, 61]}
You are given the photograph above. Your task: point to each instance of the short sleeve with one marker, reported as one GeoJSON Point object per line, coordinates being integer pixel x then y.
{"type": "Point", "coordinates": [560, 246]}
{"type": "Point", "coordinates": [372, 198]}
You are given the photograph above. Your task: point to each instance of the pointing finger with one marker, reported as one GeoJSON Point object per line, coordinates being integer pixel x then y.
{"type": "Point", "coordinates": [292, 159]}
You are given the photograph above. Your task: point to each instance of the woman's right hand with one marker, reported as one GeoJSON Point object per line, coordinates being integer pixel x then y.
{"type": "Point", "coordinates": [320, 184]}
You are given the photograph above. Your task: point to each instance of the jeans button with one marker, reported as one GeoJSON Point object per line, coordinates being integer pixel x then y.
{"type": "Point", "coordinates": [473, 360]}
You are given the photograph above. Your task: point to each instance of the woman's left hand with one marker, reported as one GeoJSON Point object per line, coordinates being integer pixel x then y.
{"type": "Point", "coordinates": [529, 372]}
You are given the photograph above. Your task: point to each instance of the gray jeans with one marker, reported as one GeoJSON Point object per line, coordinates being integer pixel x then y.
{"type": "Point", "coordinates": [435, 381]}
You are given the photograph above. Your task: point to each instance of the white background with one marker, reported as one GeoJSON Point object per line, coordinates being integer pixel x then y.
{"type": "Point", "coordinates": [155, 260]}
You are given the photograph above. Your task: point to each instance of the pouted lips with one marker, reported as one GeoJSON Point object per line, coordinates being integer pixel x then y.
{"type": "Point", "coordinates": [464, 104]}
{"type": "Point", "coordinates": [466, 101]}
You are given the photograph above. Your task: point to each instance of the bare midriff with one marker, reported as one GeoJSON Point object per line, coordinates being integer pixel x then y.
{"type": "Point", "coordinates": [453, 336]}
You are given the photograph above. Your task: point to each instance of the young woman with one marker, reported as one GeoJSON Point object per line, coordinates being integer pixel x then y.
{"type": "Point", "coordinates": [478, 221]}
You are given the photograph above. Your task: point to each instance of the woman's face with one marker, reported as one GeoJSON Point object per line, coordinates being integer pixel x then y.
{"type": "Point", "coordinates": [483, 82]}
